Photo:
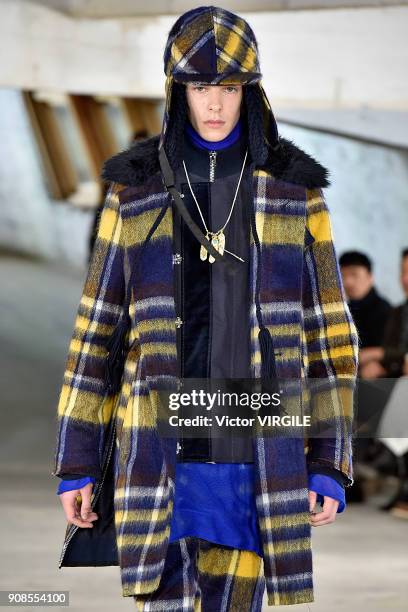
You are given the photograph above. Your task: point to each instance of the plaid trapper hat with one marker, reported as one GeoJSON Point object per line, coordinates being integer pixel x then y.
{"type": "Point", "coordinates": [212, 46]}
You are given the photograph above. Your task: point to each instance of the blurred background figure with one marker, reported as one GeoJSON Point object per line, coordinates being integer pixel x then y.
{"type": "Point", "coordinates": [370, 312]}
{"type": "Point", "coordinates": [394, 352]}
{"type": "Point", "coordinates": [393, 359]}
{"type": "Point", "coordinates": [369, 309]}
{"type": "Point", "coordinates": [383, 331]}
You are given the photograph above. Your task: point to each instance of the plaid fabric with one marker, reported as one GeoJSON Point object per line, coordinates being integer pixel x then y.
{"type": "Point", "coordinates": [212, 44]}
{"type": "Point", "coordinates": [200, 575]}
{"type": "Point", "coordinates": [330, 342]}
{"type": "Point", "coordinates": [82, 420]}
{"type": "Point", "coordinates": [304, 307]}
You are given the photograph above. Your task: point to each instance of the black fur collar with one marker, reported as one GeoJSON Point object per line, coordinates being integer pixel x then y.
{"type": "Point", "coordinates": [290, 163]}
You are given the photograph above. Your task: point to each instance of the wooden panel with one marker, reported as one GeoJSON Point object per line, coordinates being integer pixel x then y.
{"type": "Point", "coordinates": [60, 172]}
{"type": "Point", "coordinates": [143, 115]}
{"type": "Point", "coordinates": [99, 138]}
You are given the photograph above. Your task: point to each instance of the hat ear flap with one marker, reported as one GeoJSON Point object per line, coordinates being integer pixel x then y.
{"type": "Point", "coordinates": [177, 117]}
{"type": "Point", "coordinates": [257, 124]}
{"type": "Point", "coordinates": [270, 126]}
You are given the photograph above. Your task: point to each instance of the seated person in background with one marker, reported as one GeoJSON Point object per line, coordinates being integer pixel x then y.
{"type": "Point", "coordinates": [389, 359]}
{"type": "Point", "coordinates": [394, 361]}
{"type": "Point", "coordinates": [394, 352]}
{"type": "Point", "coordinates": [370, 311]}
{"type": "Point", "coordinates": [384, 346]}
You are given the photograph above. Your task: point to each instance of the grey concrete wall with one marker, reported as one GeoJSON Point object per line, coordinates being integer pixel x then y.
{"type": "Point", "coordinates": [368, 199]}
{"type": "Point", "coordinates": [127, 8]}
{"type": "Point", "coordinates": [335, 59]}
{"type": "Point", "coordinates": [30, 222]}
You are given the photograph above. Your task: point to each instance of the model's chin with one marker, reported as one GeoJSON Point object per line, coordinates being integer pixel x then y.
{"type": "Point", "coordinates": [213, 134]}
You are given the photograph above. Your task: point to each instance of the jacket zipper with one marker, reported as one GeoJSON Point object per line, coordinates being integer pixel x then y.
{"type": "Point", "coordinates": [74, 529]}
{"type": "Point", "coordinates": [178, 262]}
{"type": "Point", "coordinates": [213, 163]}
{"type": "Point", "coordinates": [178, 265]}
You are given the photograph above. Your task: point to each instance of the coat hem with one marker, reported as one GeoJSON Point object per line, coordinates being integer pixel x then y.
{"type": "Point", "coordinates": [129, 592]}
{"type": "Point", "coordinates": [287, 599]}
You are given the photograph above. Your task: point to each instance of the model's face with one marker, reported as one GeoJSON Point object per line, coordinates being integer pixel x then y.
{"type": "Point", "coordinates": [213, 110]}
{"type": "Point", "coordinates": [404, 275]}
{"type": "Point", "coordinates": [357, 281]}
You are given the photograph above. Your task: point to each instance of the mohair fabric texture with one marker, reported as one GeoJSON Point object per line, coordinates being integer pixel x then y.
{"type": "Point", "coordinates": [303, 306]}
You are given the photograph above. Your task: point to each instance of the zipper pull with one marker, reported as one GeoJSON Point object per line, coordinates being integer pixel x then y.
{"type": "Point", "coordinates": [213, 162]}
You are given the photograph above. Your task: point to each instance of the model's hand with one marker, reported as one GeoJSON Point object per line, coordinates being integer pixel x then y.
{"type": "Point", "coordinates": [79, 512]}
{"type": "Point", "coordinates": [328, 513]}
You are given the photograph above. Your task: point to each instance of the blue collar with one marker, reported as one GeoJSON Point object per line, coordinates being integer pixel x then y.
{"type": "Point", "coordinates": [229, 140]}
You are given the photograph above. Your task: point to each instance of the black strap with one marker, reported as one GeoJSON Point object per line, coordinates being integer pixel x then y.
{"type": "Point", "coordinates": [169, 181]}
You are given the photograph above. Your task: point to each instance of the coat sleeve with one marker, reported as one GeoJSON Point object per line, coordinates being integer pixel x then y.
{"type": "Point", "coordinates": [84, 407]}
{"type": "Point", "coordinates": [330, 345]}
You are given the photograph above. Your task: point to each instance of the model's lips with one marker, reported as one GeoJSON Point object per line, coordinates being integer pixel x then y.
{"type": "Point", "coordinates": [214, 123]}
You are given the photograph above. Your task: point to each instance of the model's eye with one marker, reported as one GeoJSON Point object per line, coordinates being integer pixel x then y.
{"type": "Point", "coordinates": [231, 88]}
{"type": "Point", "coordinates": [199, 88]}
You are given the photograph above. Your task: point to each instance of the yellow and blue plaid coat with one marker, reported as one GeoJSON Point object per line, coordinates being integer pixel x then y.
{"type": "Point", "coordinates": [304, 308]}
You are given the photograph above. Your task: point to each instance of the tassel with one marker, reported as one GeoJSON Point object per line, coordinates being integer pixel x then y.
{"type": "Point", "coordinates": [268, 370]}
{"type": "Point", "coordinates": [265, 342]}
{"type": "Point", "coordinates": [115, 360]}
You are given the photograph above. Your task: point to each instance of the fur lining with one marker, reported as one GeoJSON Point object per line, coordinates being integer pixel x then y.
{"type": "Point", "coordinates": [293, 165]}
{"type": "Point", "coordinates": [289, 163]}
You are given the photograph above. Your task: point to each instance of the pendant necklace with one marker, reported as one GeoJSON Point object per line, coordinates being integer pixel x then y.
{"type": "Point", "coordinates": [218, 237]}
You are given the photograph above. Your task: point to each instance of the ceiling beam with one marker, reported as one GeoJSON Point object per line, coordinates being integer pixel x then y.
{"type": "Point", "coordinates": [132, 8]}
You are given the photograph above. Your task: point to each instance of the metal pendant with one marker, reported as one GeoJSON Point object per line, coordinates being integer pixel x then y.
{"type": "Point", "coordinates": [218, 242]}
{"type": "Point", "coordinates": [203, 250]}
